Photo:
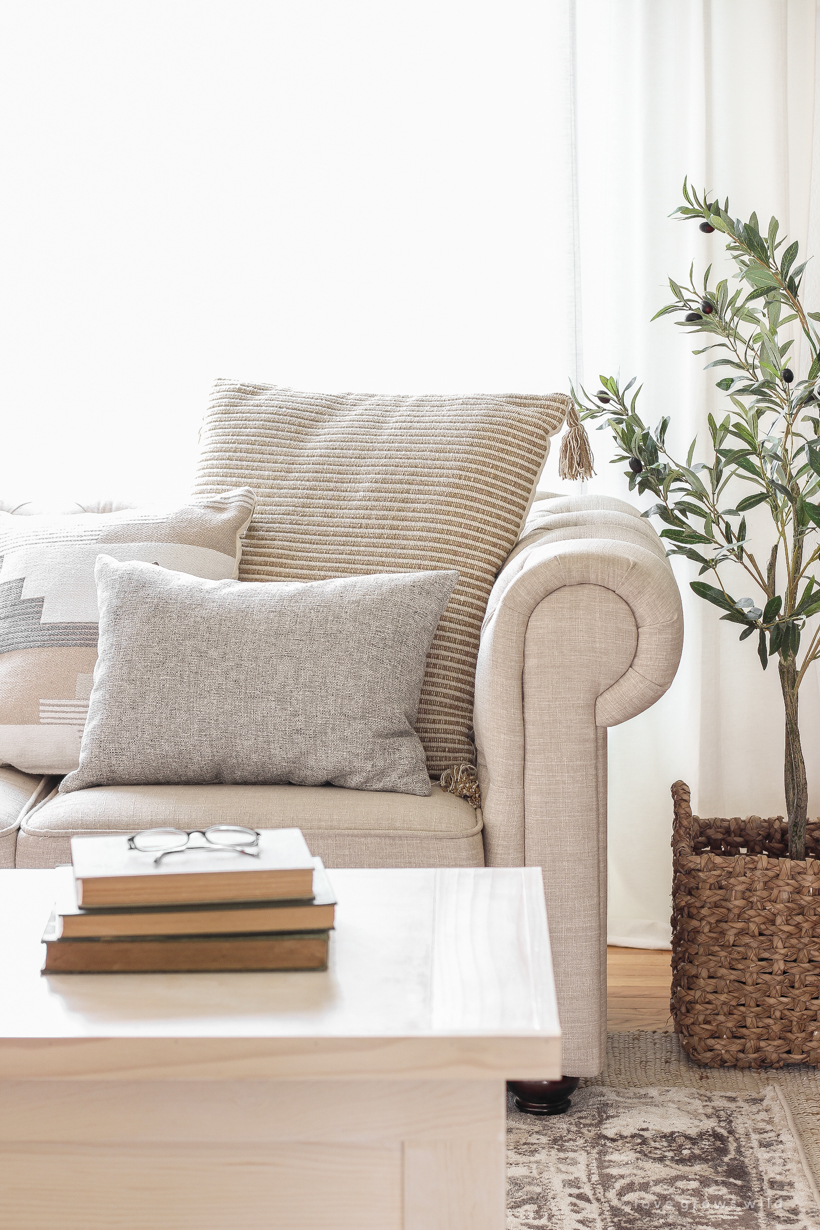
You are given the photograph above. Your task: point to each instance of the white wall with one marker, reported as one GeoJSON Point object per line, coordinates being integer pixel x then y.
{"type": "Point", "coordinates": [357, 195]}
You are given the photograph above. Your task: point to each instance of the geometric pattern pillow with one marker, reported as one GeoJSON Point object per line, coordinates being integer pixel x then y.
{"type": "Point", "coordinates": [48, 608]}
{"type": "Point", "coordinates": [350, 484]}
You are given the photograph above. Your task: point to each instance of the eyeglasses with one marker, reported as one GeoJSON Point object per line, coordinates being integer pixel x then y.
{"type": "Point", "coordinates": [219, 838]}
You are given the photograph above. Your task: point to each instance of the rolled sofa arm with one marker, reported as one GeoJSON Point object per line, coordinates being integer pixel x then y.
{"type": "Point", "coordinates": [583, 630]}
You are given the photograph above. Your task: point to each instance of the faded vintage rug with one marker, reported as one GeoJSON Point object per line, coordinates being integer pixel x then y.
{"type": "Point", "coordinates": [644, 1058]}
{"type": "Point", "coordinates": [688, 1153]}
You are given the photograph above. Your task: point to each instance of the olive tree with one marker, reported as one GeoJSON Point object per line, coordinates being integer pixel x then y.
{"type": "Point", "coordinates": [767, 444]}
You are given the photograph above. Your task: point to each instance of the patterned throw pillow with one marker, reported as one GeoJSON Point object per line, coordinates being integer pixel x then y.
{"type": "Point", "coordinates": [352, 484]}
{"type": "Point", "coordinates": [48, 608]}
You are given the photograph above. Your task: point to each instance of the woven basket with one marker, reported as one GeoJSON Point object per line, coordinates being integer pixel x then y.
{"type": "Point", "coordinates": [745, 941]}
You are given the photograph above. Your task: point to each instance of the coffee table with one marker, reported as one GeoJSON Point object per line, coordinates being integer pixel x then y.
{"type": "Point", "coordinates": [370, 1096]}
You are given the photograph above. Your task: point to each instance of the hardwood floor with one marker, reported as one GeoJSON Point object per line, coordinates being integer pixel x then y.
{"type": "Point", "coordinates": [638, 981]}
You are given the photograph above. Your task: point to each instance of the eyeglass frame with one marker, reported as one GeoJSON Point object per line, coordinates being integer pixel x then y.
{"type": "Point", "coordinates": [211, 846]}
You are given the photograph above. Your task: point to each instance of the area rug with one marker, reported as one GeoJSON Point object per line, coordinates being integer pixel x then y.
{"type": "Point", "coordinates": [643, 1058]}
{"type": "Point", "coordinates": [693, 1150]}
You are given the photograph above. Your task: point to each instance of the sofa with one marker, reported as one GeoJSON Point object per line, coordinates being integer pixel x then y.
{"type": "Point", "coordinates": [583, 630]}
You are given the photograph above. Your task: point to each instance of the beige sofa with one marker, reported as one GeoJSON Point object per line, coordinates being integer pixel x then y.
{"type": "Point", "coordinates": [583, 631]}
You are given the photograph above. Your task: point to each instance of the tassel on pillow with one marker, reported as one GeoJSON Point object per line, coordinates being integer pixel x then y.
{"type": "Point", "coordinates": [575, 459]}
{"type": "Point", "coordinates": [462, 780]}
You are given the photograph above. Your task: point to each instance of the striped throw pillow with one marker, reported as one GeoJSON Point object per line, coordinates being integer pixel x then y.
{"type": "Point", "coordinates": [354, 484]}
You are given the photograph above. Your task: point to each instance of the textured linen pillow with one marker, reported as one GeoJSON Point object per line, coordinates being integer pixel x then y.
{"type": "Point", "coordinates": [351, 484]}
{"type": "Point", "coordinates": [228, 681]}
{"type": "Point", "coordinates": [48, 608]}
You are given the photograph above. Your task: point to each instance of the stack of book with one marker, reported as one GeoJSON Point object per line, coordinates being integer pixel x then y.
{"type": "Point", "coordinates": [121, 912]}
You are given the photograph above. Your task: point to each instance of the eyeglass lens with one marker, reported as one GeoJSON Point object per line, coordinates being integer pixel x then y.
{"type": "Point", "coordinates": [159, 839]}
{"type": "Point", "coordinates": [231, 835]}
{"type": "Point", "coordinates": [218, 835]}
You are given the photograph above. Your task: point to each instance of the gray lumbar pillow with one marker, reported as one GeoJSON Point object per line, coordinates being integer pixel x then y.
{"type": "Point", "coordinates": [229, 681]}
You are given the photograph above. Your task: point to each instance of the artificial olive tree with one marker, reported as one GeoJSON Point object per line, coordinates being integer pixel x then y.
{"type": "Point", "coordinates": [768, 440]}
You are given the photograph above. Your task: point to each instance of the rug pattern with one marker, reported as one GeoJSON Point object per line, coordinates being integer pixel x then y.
{"type": "Point", "coordinates": [682, 1152]}
{"type": "Point", "coordinates": [642, 1058]}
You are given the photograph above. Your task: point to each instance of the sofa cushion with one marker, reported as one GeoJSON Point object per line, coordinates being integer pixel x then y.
{"type": "Point", "coordinates": [350, 484]}
{"type": "Point", "coordinates": [346, 828]}
{"type": "Point", "coordinates": [48, 608]}
{"type": "Point", "coordinates": [15, 791]}
{"type": "Point", "coordinates": [226, 681]}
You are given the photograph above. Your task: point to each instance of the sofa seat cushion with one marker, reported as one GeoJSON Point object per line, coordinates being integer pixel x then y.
{"type": "Point", "coordinates": [346, 828]}
{"type": "Point", "coordinates": [16, 789]}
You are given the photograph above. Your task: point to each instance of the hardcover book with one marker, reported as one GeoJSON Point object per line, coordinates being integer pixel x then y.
{"type": "Point", "coordinates": [110, 873]}
{"type": "Point", "coordinates": [186, 953]}
{"type": "Point", "coordinates": [73, 922]}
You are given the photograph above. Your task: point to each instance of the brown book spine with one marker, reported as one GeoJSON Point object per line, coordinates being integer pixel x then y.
{"type": "Point", "coordinates": [195, 889]}
{"type": "Point", "coordinates": [187, 954]}
{"type": "Point", "coordinates": [227, 921]}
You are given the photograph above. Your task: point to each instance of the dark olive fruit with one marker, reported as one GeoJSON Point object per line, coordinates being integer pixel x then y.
{"type": "Point", "coordinates": [605, 398]}
{"type": "Point", "coordinates": [635, 466]}
{"type": "Point", "coordinates": [706, 307]}
{"type": "Point", "coordinates": [787, 374]}
{"type": "Point", "coordinates": [691, 317]}
{"type": "Point", "coordinates": [706, 227]}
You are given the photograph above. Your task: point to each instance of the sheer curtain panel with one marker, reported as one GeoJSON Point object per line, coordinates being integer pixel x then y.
{"type": "Point", "coordinates": [724, 92]}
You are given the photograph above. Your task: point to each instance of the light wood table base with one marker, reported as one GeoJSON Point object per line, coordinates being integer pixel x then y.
{"type": "Point", "coordinates": [240, 1155]}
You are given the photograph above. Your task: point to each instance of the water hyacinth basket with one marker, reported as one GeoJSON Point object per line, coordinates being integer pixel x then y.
{"type": "Point", "coordinates": [745, 941]}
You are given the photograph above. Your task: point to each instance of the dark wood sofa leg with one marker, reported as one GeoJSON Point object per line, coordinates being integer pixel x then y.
{"type": "Point", "coordinates": [544, 1097]}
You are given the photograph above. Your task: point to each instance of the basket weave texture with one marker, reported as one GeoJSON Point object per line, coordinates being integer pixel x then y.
{"type": "Point", "coordinates": [745, 941]}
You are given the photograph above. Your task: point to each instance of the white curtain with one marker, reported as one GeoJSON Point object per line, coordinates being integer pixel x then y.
{"type": "Point", "coordinates": [444, 195]}
{"type": "Point", "coordinates": [723, 91]}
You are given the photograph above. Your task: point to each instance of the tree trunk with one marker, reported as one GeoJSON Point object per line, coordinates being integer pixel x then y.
{"type": "Point", "coordinates": [795, 767]}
